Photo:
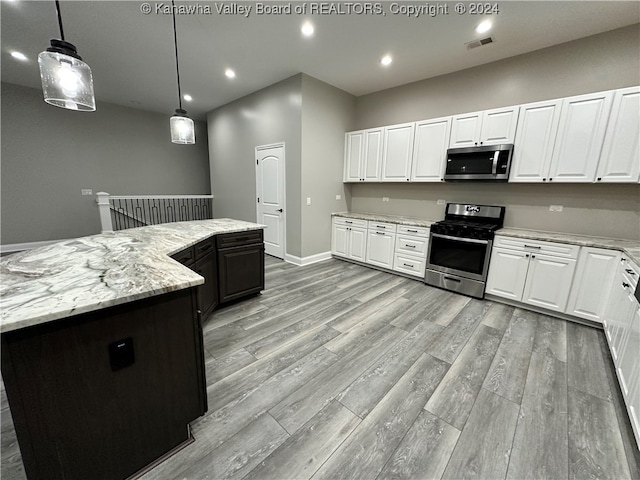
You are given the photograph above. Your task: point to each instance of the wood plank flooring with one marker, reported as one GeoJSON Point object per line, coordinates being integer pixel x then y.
{"type": "Point", "coordinates": [339, 371]}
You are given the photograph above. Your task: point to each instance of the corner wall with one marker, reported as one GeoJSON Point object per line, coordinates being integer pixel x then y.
{"type": "Point", "coordinates": [49, 154]}
{"type": "Point", "coordinates": [606, 61]}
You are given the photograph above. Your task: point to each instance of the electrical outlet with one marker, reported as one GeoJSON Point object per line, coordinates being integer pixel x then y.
{"type": "Point", "coordinates": [338, 197]}
{"type": "Point", "coordinates": [308, 200]}
{"type": "Point", "coordinates": [442, 202]}
{"type": "Point", "coordinates": [385, 199]}
{"type": "Point", "coordinates": [555, 208]}
{"type": "Point", "coordinates": [87, 191]}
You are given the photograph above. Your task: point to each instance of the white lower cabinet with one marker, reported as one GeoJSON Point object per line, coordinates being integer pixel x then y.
{"type": "Point", "coordinates": [629, 372]}
{"type": "Point", "coordinates": [380, 247]}
{"type": "Point", "coordinates": [532, 272]}
{"type": "Point", "coordinates": [349, 238]}
{"type": "Point", "coordinates": [592, 283]}
{"type": "Point", "coordinates": [410, 256]}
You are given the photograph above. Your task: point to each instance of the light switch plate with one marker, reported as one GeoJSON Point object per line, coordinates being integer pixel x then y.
{"type": "Point", "coordinates": [442, 202]}
{"type": "Point", "coordinates": [308, 200]}
{"type": "Point", "coordinates": [87, 191]}
{"type": "Point", "coordinates": [338, 197]}
{"type": "Point", "coordinates": [555, 208]}
{"type": "Point", "coordinates": [385, 199]}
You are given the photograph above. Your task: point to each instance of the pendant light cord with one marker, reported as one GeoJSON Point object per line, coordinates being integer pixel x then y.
{"type": "Point", "coordinates": [175, 43]}
{"type": "Point", "coordinates": [60, 20]}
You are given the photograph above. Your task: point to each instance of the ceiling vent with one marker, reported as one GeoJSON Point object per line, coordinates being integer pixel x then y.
{"type": "Point", "coordinates": [479, 43]}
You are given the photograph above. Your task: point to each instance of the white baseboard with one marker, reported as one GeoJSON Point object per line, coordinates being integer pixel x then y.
{"type": "Point", "coordinates": [19, 247]}
{"type": "Point", "coordinates": [302, 261]}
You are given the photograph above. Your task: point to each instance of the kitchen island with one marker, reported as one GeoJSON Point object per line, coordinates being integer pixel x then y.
{"type": "Point", "coordinates": [102, 354]}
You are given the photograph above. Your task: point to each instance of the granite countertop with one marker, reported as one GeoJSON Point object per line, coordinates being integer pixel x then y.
{"type": "Point", "coordinates": [90, 273]}
{"type": "Point", "coordinates": [629, 247]}
{"type": "Point", "coordinates": [414, 222]}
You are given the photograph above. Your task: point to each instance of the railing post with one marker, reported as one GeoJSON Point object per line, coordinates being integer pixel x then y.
{"type": "Point", "coordinates": [105, 211]}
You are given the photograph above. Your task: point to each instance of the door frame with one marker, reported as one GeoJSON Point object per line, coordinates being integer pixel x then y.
{"type": "Point", "coordinates": [284, 189]}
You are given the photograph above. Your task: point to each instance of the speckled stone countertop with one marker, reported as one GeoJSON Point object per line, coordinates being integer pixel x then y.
{"type": "Point", "coordinates": [90, 273]}
{"type": "Point", "coordinates": [414, 222]}
{"type": "Point", "coordinates": [629, 247]}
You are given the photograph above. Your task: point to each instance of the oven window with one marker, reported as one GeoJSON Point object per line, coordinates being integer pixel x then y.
{"type": "Point", "coordinates": [470, 163]}
{"type": "Point", "coordinates": [458, 255]}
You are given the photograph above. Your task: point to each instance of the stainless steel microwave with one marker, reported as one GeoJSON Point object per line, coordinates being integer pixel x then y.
{"type": "Point", "coordinates": [485, 163]}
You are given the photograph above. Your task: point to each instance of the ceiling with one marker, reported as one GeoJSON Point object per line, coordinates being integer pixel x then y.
{"type": "Point", "coordinates": [133, 62]}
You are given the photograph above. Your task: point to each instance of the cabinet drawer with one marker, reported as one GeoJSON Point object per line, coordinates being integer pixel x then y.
{"type": "Point", "coordinates": [350, 222]}
{"type": "Point", "coordinates": [204, 247]}
{"type": "Point", "coordinates": [228, 240]}
{"type": "Point", "coordinates": [562, 250]}
{"type": "Point", "coordinates": [413, 231]}
{"type": "Point", "coordinates": [382, 226]}
{"type": "Point", "coordinates": [409, 264]}
{"type": "Point", "coordinates": [631, 271]}
{"type": "Point", "coordinates": [411, 245]}
{"type": "Point", "coordinates": [186, 256]}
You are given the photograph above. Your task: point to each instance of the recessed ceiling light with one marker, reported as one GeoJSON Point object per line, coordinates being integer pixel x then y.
{"type": "Point", "coordinates": [484, 27]}
{"type": "Point", "coordinates": [187, 97]}
{"type": "Point", "coordinates": [386, 60]}
{"type": "Point", "coordinates": [230, 73]}
{"type": "Point", "coordinates": [307, 29]}
{"type": "Point", "coordinates": [19, 56]}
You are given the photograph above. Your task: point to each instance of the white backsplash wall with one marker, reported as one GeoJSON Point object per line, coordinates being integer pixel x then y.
{"type": "Point", "coordinates": [598, 210]}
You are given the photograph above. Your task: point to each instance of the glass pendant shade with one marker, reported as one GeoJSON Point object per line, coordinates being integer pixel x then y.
{"type": "Point", "coordinates": [182, 128]}
{"type": "Point", "coordinates": [66, 80]}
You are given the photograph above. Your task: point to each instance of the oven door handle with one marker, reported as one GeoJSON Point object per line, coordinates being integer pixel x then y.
{"type": "Point", "coordinates": [460, 239]}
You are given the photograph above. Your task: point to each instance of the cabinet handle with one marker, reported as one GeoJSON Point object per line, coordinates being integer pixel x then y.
{"type": "Point", "coordinates": [532, 246]}
{"type": "Point", "coordinates": [380, 226]}
{"type": "Point", "coordinates": [629, 271]}
{"type": "Point", "coordinates": [527, 255]}
{"type": "Point", "coordinates": [407, 265]}
{"type": "Point", "coordinates": [625, 285]}
{"type": "Point", "coordinates": [412, 231]}
{"type": "Point", "coordinates": [410, 246]}
{"type": "Point", "coordinates": [380, 233]}
{"type": "Point", "coordinates": [347, 221]}
{"type": "Point", "coordinates": [533, 256]}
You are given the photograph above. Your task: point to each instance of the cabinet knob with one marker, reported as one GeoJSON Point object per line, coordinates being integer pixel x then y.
{"type": "Point", "coordinates": [527, 255]}
{"type": "Point", "coordinates": [625, 285]}
{"type": "Point", "coordinates": [550, 179]}
{"type": "Point", "coordinates": [533, 256]}
{"type": "Point", "coordinates": [599, 179]}
{"type": "Point", "coordinates": [544, 179]}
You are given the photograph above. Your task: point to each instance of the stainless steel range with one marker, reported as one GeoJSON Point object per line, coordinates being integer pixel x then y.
{"type": "Point", "coordinates": [460, 247]}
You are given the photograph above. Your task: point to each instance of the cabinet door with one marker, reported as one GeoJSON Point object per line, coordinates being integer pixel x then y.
{"type": "Point", "coordinates": [430, 150]}
{"type": "Point", "coordinates": [353, 154]}
{"type": "Point", "coordinates": [548, 282]}
{"type": "Point", "coordinates": [340, 240]}
{"type": "Point", "coordinates": [207, 294]}
{"type": "Point", "coordinates": [629, 371]}
{"type": "Point", "coordinates": [398, 149]}
{"type": "Point", "coordinates": [240, 272]}
{"type": "Point", "coordinates": [357, 243]}
{"type": "Point", "coordinates": [617, 314]}
{"type": "Point", "coordinates": [372, 159]}
{"type": "Point", "coordinates": [465, 130]}
{"type": "Point", "coordinates": [583, 121]}
{"type": "Point", "coordinates": [630, 348]}
{"type": "Point", "coordinates": [499, 126]}
{"type": "Point", "coordinates": [594, 277]}
{"type": "Point", "coordinates": [620, 159]}
{"type": "Point", "coordinates": [507, 273]}
{"type": "Point", "coordinates": [535, 138]}
{"type": "Point", "coordinates": [380, 247]}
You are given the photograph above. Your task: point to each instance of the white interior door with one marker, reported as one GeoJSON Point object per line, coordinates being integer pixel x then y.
{"type": "Point", "coordinates": [270, 192]}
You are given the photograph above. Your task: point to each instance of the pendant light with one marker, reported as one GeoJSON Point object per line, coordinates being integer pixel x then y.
{"type": "Point", "coordinates": [182, 127]}
{"type": "Point", "coordinates": [66, 79]}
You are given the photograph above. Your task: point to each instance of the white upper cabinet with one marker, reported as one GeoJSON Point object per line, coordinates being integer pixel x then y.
{"type": "Point", "coordinates": [353, 154]}
{"type": "Point", "coordinates": [499, 126]}
{"type": "Point", "coordinates": [620, 159]}
{"type": "Point", "coordinates": [430, 150]}
{"type": "Point", "coordinates": [490, 127]}
{"type": "Point", "coordinates": [583, 122]}
{"type": "Point", "coordinates": [363, 155]}
{"type": "Point", "coordinates": [535, 137]}
{"type": "Point", "coordinates": [372, 158]}
{"type": "Point", "coordinates": [398, 149]}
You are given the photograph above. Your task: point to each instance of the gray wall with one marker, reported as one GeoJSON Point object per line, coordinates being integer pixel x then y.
{"type": "Point", "coordinates": [327, 113]}
{"type": "Point", "coordinates": [267, 116]}
{"type": "Point", "coordinates": [311, 118]}
{"type": "Point", "coordinates": [601, 62]}
{"type": "Point", "coordinates": [49, 154]}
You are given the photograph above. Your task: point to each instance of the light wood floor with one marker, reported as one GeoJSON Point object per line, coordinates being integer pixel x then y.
{"type": "Point", "coordinates": [340, 371]}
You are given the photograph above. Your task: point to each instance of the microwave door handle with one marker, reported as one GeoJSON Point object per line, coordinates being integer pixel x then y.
{"type": "Point", "coordinates": [494, 167]}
